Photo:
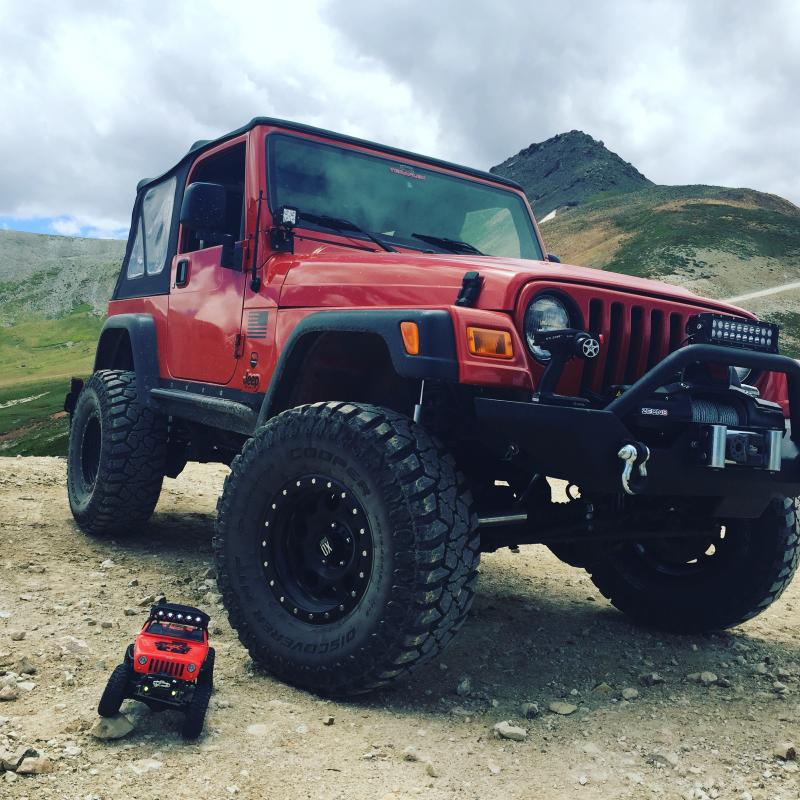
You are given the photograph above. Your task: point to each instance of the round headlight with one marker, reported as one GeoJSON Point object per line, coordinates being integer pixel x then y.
{"type": "Point", "coordinates": [142, 659]}
{"type": "Point", "coordinates": [191, 668]}
{"type": "Point", "coordinates": [545, 313]}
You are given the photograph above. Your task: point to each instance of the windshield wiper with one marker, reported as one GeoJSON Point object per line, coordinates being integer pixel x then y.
{"type": "Point", "coordinates": [342, 225]}
{"type": "Point", "coordinates": [453, 245]}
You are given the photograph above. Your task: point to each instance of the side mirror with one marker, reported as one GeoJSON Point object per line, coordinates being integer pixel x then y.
{"type": "Point", "coordinates": [203, 206]}
{"type": "Point", "coordinates": [555, 259]}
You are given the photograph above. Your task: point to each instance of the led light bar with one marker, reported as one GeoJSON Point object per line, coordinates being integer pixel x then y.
{"type": "Point", "coordinates": [733, 332]}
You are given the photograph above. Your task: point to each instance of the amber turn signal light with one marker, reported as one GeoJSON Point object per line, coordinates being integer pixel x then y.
{"type": "Point", "coordinates": [489, 343]}
{"type": "Point", "coordinates": [410, 333]}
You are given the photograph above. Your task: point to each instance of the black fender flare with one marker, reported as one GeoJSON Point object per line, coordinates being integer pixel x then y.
{"type": "Point", "coordinates": [141, 331]}
{"type": "Point", "coordinates": [437, 358]}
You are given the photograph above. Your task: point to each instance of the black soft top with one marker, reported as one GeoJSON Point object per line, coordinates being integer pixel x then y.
{"type": "Point", "coordinates": [206, 144]}
{"type": "Point", "coordinates": [184, 615]}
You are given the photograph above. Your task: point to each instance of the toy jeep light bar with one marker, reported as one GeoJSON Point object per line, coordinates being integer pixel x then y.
{"type": "Point", "coordinates": [183, 615]}
{"type": "Point", "coordinates": [733, 332]}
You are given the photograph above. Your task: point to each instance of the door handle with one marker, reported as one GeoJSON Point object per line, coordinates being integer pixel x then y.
{"type": "Point", "coordinates": [182, 272]}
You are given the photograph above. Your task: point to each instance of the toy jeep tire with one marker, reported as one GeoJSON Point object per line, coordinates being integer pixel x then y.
{"type": "Point", "coordinates": [196, 711]}
{"type": "Point", "coordinates": [116, 691]}
{"type": "Point", "coordinates": [116, 456]}
{"type": "Point", "coordinates": [346, 547]}
{"type": "Point", "coordinates": [207, 670]}
{"type": "Point", "coordinates": [691, 585]}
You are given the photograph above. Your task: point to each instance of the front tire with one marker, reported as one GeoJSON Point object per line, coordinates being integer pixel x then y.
{"type": "Point", "coordinates": [196, 711]}
{"type": "Point", "coordinates": [116, 457]}
{"type": "Point", "coordinates": [116, 691]}
{"type": "Point", "coordinates": [346, 547]}
{"type": "Point", "coordinates": [717, 584]}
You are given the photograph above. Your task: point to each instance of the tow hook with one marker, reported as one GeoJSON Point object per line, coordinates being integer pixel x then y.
{"type": "Point", "coordinates": [634, 454]}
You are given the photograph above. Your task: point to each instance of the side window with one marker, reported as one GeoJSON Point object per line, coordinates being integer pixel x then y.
{"type": "Point", "coordinates": [228, 169]}
{"type": "Point", "coordinates": [157, 219]}
{"type": "Point", "coordinates": [153, 225]}
{"type": "Point", "coordinates": [136, 261]}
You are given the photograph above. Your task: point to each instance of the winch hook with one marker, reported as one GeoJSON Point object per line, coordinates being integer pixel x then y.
{"type": "Point", "coordinates": [633, 454]}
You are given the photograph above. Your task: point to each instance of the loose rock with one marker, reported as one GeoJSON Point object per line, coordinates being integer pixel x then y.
{"type": "Point", "coordinates": [505, 730]}
{"type": "Point", "coordinates": [112, 727]}
{"type": "Point", "coordinates": [630, 693]}
{"type": "Point", "coordinates": [786, 751]}
{"type": "Point", "coordinates": [37, 765]}
{"type": "Point", "coordinates": [708, 678]}
{"type": "Point", "coordinates": [560, 707]}
{"type": "Point", "coordinates": [9, 693]}
{"type": "Point", "coordinates": [530, 710]}
{"type": "Point", "coordinates": [464, 687]}
{"type": "Point", "coordinates": [10, 761]}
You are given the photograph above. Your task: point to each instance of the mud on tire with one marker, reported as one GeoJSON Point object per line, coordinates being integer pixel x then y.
{"type": "Point", "coordinates": [743, 574]}
{"type": "Point", "coordinates": [419, 557]}
{"type": "Point", "coordinates": [116, 456]}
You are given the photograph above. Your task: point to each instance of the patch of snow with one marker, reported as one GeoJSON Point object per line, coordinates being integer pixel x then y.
{"type": "Point", "coordinates": [551, 215]}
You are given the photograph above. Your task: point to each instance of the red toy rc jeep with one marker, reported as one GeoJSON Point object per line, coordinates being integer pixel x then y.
{"type": "Point", "coordinates": [170, 665]}
{"type": "Point", "coordinates": [381, 348]}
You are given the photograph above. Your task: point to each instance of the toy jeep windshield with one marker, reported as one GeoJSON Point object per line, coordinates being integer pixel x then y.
{"type": "Point", "coordinates": [379, 346]}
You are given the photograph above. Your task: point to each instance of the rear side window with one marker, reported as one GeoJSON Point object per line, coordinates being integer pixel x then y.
{"type": "Point", "coordinates": [149, 252]}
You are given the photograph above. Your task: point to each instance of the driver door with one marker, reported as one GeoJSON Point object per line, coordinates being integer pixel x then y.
{"type": "Point", "coordinates": [206, 297]}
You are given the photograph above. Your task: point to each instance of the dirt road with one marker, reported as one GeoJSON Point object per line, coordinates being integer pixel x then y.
{"type": "Point", "coordinates": [539, 633]}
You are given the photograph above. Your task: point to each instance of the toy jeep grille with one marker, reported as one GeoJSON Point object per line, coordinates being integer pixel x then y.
{"type": "Point", "coordinates": [165, 667]}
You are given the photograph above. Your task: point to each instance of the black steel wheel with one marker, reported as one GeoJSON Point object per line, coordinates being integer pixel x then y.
{"type": "Point", "coordinates": [317, 548]}
{"type": "Point", "coordinates": [703, 583]}
{"type": "Point", "coordinates": [346, 547]}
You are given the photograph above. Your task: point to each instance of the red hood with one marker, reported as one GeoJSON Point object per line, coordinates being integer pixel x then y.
{"type": "Point", "coordinates": [332, 278]}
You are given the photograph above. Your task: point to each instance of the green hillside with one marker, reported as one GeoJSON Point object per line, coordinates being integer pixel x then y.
{"type": "Point", "coordinates": [53, 296]}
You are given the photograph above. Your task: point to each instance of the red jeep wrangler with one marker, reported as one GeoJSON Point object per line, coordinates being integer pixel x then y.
{"type": "Point", "coordinates": [170, 665]}
{"type": "Point", "coordinates": [380, 347]}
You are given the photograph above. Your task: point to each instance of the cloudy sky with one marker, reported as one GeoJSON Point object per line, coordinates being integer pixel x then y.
{"type": "Point", "coordinates": [95, 95]}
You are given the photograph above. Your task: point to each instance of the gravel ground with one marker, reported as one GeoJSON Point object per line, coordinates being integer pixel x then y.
{"type": "Point", "coordinates": [595, 707]}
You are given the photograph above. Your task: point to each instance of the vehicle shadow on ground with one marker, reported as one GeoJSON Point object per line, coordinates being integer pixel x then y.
{"type": "Point", "coordinates": [538, 632]}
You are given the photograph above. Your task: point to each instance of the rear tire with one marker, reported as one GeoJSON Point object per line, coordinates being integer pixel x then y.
{"type": "Point", "coordinates": [116, 457]}
{"type": "Point", "coordinates": [369, 566]}
{"type": "Point", "coordinates": [115, 692]}
{"type": "Point", "coordinates": [658, 584]}
{"type": "Point", "coordinates": [196, 711]}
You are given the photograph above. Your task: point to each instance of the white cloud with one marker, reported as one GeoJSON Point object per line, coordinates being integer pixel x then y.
{"type": "Point", "coordinates": [96, 96]}
{"type": "Point", "coordinates": [65, 226]}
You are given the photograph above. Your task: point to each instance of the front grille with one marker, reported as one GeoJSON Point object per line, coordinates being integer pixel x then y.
{"type": "Point", "coordinates": [164, 667]}
{"type": "Point", "coordinates": [635, 339]}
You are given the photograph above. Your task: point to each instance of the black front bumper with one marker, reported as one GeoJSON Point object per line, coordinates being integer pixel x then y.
{"type": "Point", "coordinates": [163, 690]}
{"type": "Point", "coordinates": [581, 444]}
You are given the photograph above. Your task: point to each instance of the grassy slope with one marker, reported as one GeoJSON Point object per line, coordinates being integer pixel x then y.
{"type": "Point", "coordinates": [659, 231]}
{"type": "Point", "coordinates": [37, 357]}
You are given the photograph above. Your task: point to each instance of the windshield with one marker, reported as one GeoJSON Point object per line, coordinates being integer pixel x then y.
{"type": "Point", "coordinates": [405, 206]}
{"type": "Point", "coordinates": [175, 630]}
